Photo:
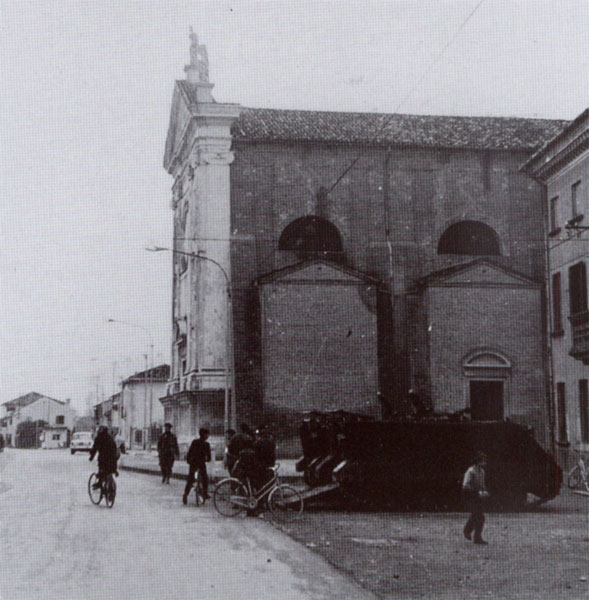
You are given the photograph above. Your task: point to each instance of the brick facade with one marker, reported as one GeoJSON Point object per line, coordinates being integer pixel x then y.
{"type": "Point", "coordinates": [402, 182]}
{"type": "Point", "coordinates": [415, 194]}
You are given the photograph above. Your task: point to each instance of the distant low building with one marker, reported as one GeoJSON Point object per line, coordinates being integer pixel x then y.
{"type": "Point", "coordinates": [55, 436]}
{"type": "Point", "coordinates": [86, 423]}
{"type": "Point", "coordinates": [35, 407]}
{"type": "Point", "coordinates": [137, 405]}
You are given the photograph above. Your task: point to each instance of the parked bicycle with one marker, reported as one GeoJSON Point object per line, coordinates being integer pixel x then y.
{"type": "Point", "coordinates": [578, 478]}
{"type": "Point", "coordinates": [233, 497]}
{"type": "Point", "coordinates": [107, 489]}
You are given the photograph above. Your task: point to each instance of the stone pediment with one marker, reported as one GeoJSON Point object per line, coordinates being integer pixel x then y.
{"type": "Point", "coordinates": [196, 117]}
{"type": "Point", "coordinates": [481, 273]}
{"type": "Point", "coordinates": [317, 271]}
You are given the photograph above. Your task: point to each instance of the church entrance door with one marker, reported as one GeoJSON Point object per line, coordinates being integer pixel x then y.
{"type": "Point", "coordinates": [486, 400]}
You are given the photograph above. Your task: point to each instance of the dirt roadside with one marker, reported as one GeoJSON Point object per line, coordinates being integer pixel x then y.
{"type": "Point", "coordinates": [539, 554]}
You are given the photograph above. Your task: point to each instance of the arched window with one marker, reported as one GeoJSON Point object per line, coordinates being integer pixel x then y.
{"type": "Point", "coordinates": [311, 234]}
{"type": "Point", "coordinates": [469, 237]}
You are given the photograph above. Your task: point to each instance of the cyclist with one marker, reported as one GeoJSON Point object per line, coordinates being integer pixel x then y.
{"type": "Point", "coordinates": [198, 455]}
{"type": "Point", "coordinates": [108, 455]}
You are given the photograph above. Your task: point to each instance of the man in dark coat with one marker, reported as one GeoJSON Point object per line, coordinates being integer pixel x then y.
{"type": "Point", "coordinates": [167, 450]}
{"type": "Point", "coordinates": [198, 455]}
{"type": "Point", "coordinates": [108, 454]}
{"type": "Point", "coordinates": [265, 449]}
{"type": "Point", "coordinates": [240, 441]}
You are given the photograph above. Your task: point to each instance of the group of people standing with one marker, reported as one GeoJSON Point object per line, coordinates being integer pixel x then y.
{"type": "Point", "coordinates": [251, 455]}
{"type": "Point", "coordinates": [248, 454]}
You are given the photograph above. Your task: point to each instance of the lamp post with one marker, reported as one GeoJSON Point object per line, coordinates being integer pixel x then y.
{"type": "Point", "coordinates": [230, 409]}
{"type": "Point", "coordinates": [146, 379]}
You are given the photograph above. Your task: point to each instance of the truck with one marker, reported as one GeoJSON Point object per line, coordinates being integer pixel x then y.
{"type": "Point", "coordinates": [420, 462]}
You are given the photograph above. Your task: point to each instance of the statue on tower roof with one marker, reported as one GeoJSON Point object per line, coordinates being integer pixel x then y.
{"type": "Point", "coordinates": [199, 60]}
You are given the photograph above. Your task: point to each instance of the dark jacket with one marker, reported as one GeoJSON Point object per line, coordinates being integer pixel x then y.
{"type": "Point", "coordinates": [265, 449]}
{"type": "Point", "coordinates": [198, 453]}
{"type": "Point", "coordinates": [108, 454]}
{"type": "Point", "coordinates": [167, 446]}
{"type": "Point", "coordinates": [239, 442]}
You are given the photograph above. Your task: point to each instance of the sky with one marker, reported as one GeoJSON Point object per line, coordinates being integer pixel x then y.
{"type": "Point", "coordinates": [84, 110]}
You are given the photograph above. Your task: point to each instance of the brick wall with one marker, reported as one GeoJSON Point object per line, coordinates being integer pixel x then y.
{"type": "Point", "coordinates": [505, 320]}
{"type": "Point", "coordinates": [415, 194]}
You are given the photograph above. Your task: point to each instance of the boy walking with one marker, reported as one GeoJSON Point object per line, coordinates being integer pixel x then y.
{"type": "Point", "coordinates": [474, 491]}
{"type": "Point", "coordinates": [198, 455]}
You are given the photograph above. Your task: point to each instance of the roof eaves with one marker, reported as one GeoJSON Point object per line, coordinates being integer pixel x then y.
{"type": "Point", "coordinates": [568, 127]}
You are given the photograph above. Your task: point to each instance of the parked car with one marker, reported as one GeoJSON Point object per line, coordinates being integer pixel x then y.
{"type": "Point", "coordinates": [82, 441]}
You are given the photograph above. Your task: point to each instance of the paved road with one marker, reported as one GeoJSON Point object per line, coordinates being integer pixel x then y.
{"type": "Point", "coordinates": [54, 544]}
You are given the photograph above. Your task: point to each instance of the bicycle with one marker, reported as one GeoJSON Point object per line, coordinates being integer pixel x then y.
{"type": "Point", "coordinates": [578, 478]}
{"type": "Point", "coordinates": [106, 490]}
{"type": "Point", "coordinates": [199, 493]}
{"type": "Point", "coordinates": [233, 497]}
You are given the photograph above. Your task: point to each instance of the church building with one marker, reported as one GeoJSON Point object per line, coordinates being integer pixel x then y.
{"type": "Point", "coordinates": [329, 260]}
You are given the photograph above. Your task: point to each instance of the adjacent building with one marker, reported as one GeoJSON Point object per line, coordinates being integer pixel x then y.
{"type": "Point", "coordinates": [331, 260]}
{"type": "Point", "coordinates": [136, 411]}
{"type": "Point", "coordinates": [108, 413]}
{"type": "Point", "coordinates": [562, 166]}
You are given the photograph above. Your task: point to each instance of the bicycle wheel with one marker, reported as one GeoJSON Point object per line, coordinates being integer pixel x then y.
{"type": "Point", "coordinates": [575, 478]}
{"type": "Point", "coordinates": [230, 497]}
{"type": "Point", "coordinates": [110, 491]}
{"type": "Point", "coordinates": [285, 503]}
{"type": "Point", "coordinates": [198, 492]}
{"type": "Point", "coordinates": [94, 493]}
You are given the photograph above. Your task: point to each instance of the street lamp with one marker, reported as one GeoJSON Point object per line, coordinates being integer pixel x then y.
{"type": "Point", "coordinates": [229, 354]}
{"type": "Point", "coordinates": [150, 374]}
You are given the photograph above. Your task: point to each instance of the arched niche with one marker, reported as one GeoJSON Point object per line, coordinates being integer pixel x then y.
{"type": "Point", "coordinates": [470, 237]}
{"type": "Point", "coordinates": [311, 235]}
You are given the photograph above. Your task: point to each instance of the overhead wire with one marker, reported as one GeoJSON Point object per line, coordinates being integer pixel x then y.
{"type": "Point", "coordinates": [388, 118]}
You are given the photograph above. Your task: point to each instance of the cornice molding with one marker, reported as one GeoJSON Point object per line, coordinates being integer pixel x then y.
{"type": "Point", "coordinates": [561, 159]}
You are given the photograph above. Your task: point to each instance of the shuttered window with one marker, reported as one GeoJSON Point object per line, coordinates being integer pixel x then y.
{"type": "Point", "coordinates": [561, 412]}
{"type": "Point", "coordinates": [577, 288]}
{"type": "Point", "coordinates": [584, 410]}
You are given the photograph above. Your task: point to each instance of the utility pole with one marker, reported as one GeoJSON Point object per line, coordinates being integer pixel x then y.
{"type": "Point", "coordinates": [146, 375]}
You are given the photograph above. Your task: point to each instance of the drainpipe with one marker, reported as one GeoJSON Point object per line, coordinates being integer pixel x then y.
{"type": "Point", "coordinates": [548, 325]}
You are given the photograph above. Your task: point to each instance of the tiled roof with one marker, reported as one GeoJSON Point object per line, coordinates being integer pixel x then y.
{"type": "Point", "coordinates": [27, 399]}
{"type": "Point", "coordinates": [157, 373]}
{"type": "Point", "coordinates": [499, 133]}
